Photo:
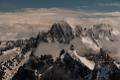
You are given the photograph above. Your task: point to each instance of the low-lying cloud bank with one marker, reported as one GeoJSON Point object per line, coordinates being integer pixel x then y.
{"type": "Point", "coordinates": [25, 22]}
{"type": "Point", "coordinates": [45, 16]}
{"type": "Point", "coordinates": [29, 22]}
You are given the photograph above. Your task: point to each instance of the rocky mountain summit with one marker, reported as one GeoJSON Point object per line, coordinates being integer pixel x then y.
{"type": "Point", "coordinates": [96, 62]}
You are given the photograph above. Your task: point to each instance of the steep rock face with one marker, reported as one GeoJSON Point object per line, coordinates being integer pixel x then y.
{"type": "Point", "coordinates": [105, 67]}
{"type": "Point", "coordinates": [102, 31]}
{"type": "Point", "coordinates": [98, 31]}
{"type": "Point", "coordinates": [60, 69]}
{"type": "Point", "coordinates": [14, 55]}
{"type": "Point", "coordinates": [67, 67]}
{"type": "Point", "coordinates": [62, 32]}
{"type": "Point", "coordinates": [78, 31]}
{"type": "Point", "coordinates": [97, 36]}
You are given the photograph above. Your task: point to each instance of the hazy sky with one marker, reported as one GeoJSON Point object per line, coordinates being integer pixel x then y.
{"type": "Point", "coordinates": [91, 5]}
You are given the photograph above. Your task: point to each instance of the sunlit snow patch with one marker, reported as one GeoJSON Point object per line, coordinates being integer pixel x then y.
{"type": "Point", "coordinates": [89, 43]}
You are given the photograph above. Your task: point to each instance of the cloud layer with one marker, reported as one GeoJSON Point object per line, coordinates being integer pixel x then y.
{"type": "Point", "coordinates": [110, 4]}
{"type": "Point", "coordinates": [30, 21]}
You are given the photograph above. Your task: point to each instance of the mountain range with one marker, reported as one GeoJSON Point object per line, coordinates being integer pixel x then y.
{"type": "Point", "coordinates": [97, 48]}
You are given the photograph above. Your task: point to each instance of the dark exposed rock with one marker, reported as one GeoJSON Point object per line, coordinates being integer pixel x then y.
{"type": "Point", "coordinates": [49, 70]}
{"type": "Point", "coordinates": [102, 30]}
{"type": "Point", "coordinates": [105, 68]}
{"type": "Point", "coordinates": [62, 32]}
{"type": "Point", "coordinates": [78, 31]}
{"type": "Point", "coordinates": [70, 69]}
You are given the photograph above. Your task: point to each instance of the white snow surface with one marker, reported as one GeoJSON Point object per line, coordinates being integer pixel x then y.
{"type": "Point", "coordinates": [84, 60]}
{"type": "Point", "coordinates": [87, 63]}
{"type": "Point", "coordinates": [89, 43]}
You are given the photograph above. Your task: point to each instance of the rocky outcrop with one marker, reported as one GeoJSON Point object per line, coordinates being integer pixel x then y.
{"type": "Point", "coordinates": [61, 32]}
{"type": "Point", "coordinates": [22, 50]}
{"type": "Point", "coordinates": [60, 69]}
{"type": "Point", "coordinates": [78, 31]}
{"type": "Point", "coordinates": [105, 67]}
{"type": "Point", "coordinates": [67, 67]}
{"type": "Point", "coordinates": [102, 31]}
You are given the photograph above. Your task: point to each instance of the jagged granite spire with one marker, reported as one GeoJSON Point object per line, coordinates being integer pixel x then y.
{"type": "Point", "coordinates": [62, 32]}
